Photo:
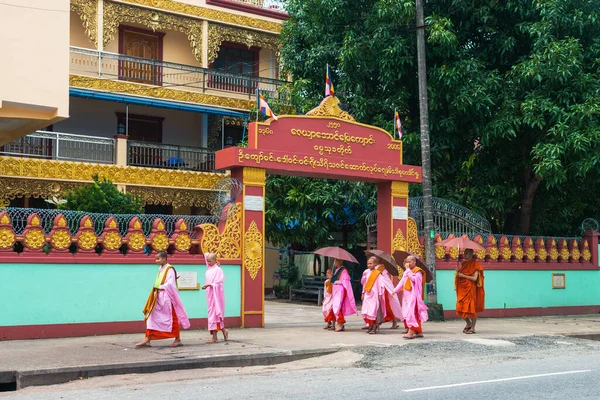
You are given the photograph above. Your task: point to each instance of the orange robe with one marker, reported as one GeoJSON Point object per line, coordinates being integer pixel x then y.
{"type": "Point", "coordinates": [470, 296]}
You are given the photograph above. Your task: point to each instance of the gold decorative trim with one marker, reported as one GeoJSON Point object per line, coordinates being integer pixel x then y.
{"type": "Point", "coordinates": [158, 92]}
{"type": "Point", "coordinates": [173, 197]}
{"type": "Point", "coordinates": [209, 14]}
{"type": "Point", "coordinates": [254, 176]}
{"type": "Point", "coordinates": [399, 242]}
{"type": "Point", "coordinates": [227, 244]}
{"type": "Point", "coordinates": [117, 13]}
{"type": "Point", "coordinates": [13, 188]}
{"type": "Point", "coordinates": [253, 250]}
{"type": "Point", "coordinates": [400, 189]}
{"type": "Point", "coordinates": [218, 34]}
{"type": "Point", "coordinates": [329, 107]}
{"type": "Point", "coordinates": [75, 171]}
{"type": "Point", "coordinates": [414, 246]}
{"type": "Point", "coordinates": [88, 12]}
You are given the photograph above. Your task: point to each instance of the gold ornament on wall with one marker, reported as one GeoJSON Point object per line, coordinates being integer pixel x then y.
{"type": "Point", "coordinates": [399, 242]}
{"type": "Point", "coordinates": [60, 240]}
{"type": "Point", "coordinates": [226, 245]}
{"type": "Point", "coordinates": [160, 242]}
{"type": "Point", "coordinates": [183, 242]}
{"type": "Point", "coordinates": [88, 12]}
{"type": "Point", "coordinates": [34, 239]}
{"type": "Point", "coordinates": [7, 238]}
{"type": "Point", "coordinates": [87, 240]}
{"type": "Point", "coordinates": [116, 14]}
{"type": "Point", "coordinates": [542, 254]}
{"type": "Point", "coordinates": [68, 170]}
{"type": "Point", "coordinates": [218, 34]}
{"type": "Point", "coordinates": [112, 241]}
{"type": "Point", "coordinates": [137, 241]}
{"type": "Point", "coordinates": [414, 246]}
{"type": "Point", "coordinates": [253, 255]}
{"type": "Point", "coordinates": [160, 93]}
{"type": "Point", "coordinates": [254, 176]}
{"type": "Point", "coordinates": [210, 14]}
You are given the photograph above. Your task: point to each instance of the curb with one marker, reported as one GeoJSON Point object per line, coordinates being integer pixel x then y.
{"type": "Point", "coordinates": [44, 377]}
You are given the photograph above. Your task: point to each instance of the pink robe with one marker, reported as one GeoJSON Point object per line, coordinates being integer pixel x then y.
{"type": "Point", "coordinates": [394, 302]}
{"type": "Point", "coordinates": [327, 300]}
{"type": "Point", "coordinates": [412, 299]}
{"type": "Point", "coordinates": [161, 318]}
{"type": "Point", "coordinates": [215, 296]}
{"type": "Point", "coordinates": [370, 304]}
{"type": "Point", "coordinates": [343, 296]}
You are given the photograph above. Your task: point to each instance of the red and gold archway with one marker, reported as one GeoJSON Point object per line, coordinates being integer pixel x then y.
{"type": "Point", "coordinates": [325, 143]}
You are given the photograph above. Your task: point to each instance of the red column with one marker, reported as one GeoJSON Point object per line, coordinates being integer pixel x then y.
{"type": "Point", "coordinates": [392, 216]}
{"type": "Point", "coordinates": [253, 245]}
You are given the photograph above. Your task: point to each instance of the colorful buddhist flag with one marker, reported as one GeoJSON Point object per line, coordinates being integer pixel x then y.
{"type": "Point", "coordinates": [329, 91]}
{"type": "Point", "coordinates": [398, 124]}
{"type": "Point", "coordinates": [264, 107]}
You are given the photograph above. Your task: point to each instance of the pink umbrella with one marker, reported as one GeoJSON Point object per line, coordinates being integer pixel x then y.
{"type": "Point", "coordinates": [336, 252]}
{"type": "Point", "coordinates": [462, 242]}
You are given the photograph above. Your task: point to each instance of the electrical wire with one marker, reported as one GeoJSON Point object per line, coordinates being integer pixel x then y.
{"type": "Point", "coordinates": [33, 8]}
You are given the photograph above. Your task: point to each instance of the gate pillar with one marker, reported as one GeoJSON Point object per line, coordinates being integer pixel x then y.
{"type": "Point", "coordinates": [253, 245]}
{"type": "Point", "coordinates": [392, 216]}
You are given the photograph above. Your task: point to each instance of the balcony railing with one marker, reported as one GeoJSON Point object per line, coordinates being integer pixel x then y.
{"type": "Point", "coordinates": [161, 73]}
{"type": "Point", "coordinates": [62, 146]}
{"type": "Point", "coordinates": [157, 155]}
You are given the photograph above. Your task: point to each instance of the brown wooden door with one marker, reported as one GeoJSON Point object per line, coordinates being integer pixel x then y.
{"type": "Point", "coordinates": [146, 45]}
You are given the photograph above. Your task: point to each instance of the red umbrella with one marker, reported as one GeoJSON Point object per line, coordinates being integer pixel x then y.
{"type": "Point", "coordinates": [388, 262]}
{"type": "Point", "coordinates": [462, 242]}
{"type": "Point", "coordinates": [400, 256]}
{"type": "Point", "coordinates": [336, 252]}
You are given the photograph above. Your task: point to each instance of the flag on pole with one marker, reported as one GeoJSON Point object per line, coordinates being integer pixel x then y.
{"type": "Point", "coordinates": [398, 124]}
{"type": "Point", "coordinates": [264, 107]}
{"type": "Point", "coordinates": [329, 91]}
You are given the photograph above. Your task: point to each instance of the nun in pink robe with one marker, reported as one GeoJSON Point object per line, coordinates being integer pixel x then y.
{"type": "Point", "coordinates": [215, 297]}
{"type": "Point", "coordinates": [373, 290]}
{"type": "Point", "coordinates": [413, 308]}
{"type": "Point", "coordinates": [343, 303]}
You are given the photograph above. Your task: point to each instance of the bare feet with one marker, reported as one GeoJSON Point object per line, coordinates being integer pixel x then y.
{"type": "Point", "coordinates": [143, 343]}
{"type": "Point", "coordinates": [419, 334]}
{"type": "Point", "coordinates": [225, 334]}
{"type": "Point", "coordinates": [410, 335]}
{"type": "Point", "coordinates": [394, 325]}
{"type": "Point", "coordinates": [405, 331]}
{"type": "Point", "coordinates": [176, 343]}
{"type": "Point", "coordinates": [340, 328]}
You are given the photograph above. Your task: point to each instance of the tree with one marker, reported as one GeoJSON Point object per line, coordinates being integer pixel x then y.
{"type": "Point", "coordinates": [308, 211]}
{"type": "Point", "coordinates": [102, 196]}
{"type": "Point", "coordinates": [514, 94]}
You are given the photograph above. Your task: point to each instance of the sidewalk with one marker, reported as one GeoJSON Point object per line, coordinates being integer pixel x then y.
{"type": "Point", "coordinates": [293, 331]}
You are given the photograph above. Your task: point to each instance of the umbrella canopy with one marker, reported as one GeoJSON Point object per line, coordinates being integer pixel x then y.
{"type": "Point", "coordinates": [400, 256]}
{"type": "Point", "coordinates": [462, 242]}
{"type": "Point", "coordinates": [336, 252]}
{"type": "Point", "coordinates": [386, 260]}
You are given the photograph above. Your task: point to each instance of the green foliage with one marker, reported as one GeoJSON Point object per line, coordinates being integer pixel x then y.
{"type": "Point", "coordinates": [102, 196]}
{"type": "Point", "coordinates": [307, 211]}
{"type": "Point", "coordinates": [514, 95]}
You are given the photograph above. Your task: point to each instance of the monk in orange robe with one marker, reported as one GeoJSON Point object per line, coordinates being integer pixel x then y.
{"type": "Point", "coordinates": [470, 294]}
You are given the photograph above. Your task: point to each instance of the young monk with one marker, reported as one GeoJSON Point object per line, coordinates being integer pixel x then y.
{"type": "Point", "coordinates": [371, 297]}
{"type": "Point", "coordinates": [164, 312]}
{"type": "Point", "coordinates": [412, 286]}
{"type": "Point", "coordinates": [363, 280]}
{"type": "Point", "coordinates": [328, 298]}
{"type": "Point", "coordinates": [342, 297]}
{"type": "Point", "coordinates": [470, 294]}
{"type": "Point", "coordinates": [390, 304]}
{"type": "Point", "coordinates": [215, 297]}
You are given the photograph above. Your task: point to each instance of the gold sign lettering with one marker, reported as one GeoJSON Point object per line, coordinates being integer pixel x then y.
{"type": "Point", "coordinates": [335, 136]}
{"type": "Point", "coordinates": [324, 163]}
{"type": "Point", "coordinates": [265, 131]}
{"type": "Point", "coordinates": [339, 150]}
{"type": "Point", "coordinates": [394, 146]}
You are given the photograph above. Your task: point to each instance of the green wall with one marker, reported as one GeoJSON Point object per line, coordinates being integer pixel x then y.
{"type": "Point", "coordinates": [75, 293]}
{"type": "Point", "coordinates": [521, 289]}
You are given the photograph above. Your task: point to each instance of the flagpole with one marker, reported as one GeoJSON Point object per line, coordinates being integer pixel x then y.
{"type": "Point", "coordinates": [257, 103]}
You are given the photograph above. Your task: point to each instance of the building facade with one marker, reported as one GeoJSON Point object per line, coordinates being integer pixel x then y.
{"type": "Point", "coordinates": [154, 87]}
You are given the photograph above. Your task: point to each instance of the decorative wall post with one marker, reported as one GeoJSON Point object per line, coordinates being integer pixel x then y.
{"type": "Point", "coordinates": [253, 244]}
{"type": "Point", "coordinates": [392, 216]}
{"type": "Point", "coordinates": [7, 234]}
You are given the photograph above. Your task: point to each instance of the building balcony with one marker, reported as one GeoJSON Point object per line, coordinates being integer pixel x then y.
{"type": "Point", "coordinates": [113, 66]}
{"type": "Point", "coordinates": [270, 8]}
{"type": "Point", "coordinates": [120, 151]}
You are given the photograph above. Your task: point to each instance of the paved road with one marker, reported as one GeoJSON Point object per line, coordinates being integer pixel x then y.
{"type": "Point", "coordinates": [528, 367]}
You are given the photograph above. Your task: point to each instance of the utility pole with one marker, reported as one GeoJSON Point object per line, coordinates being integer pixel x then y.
{"type": "Point", "coordinates": [425, 150]}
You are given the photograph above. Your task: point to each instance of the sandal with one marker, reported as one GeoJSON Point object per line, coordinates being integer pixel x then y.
{"type": "Point", "coordinates": [419, 335]}
{"type": "Point", "coordinates": [140, 345]}
{"type": "Point", "coordinates": [211, 341]}
{"type": "Point", "coordinates": [470, 331]}
{"type": "Point", "coordinates": [226, 334]}
{"type": "Point", "coordinates": [466, 329]}
{"type": "Point", "coordinates": [410, 335]}
{"type": "Point", "coordinates": [342, 329]}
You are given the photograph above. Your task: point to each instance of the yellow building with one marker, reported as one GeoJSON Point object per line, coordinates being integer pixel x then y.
{"type": "Point", "coordinates": [154, 88]}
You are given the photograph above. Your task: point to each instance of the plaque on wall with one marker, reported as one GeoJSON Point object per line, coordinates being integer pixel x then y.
{"type": "Point", "coordinates": [400, 213]}
{"type": "Point", "coordinates": [253, 203]}
{"type": "Point", "coordinates": [559, 281]}
{"type": "Point", "coordinates": [188, 280]}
